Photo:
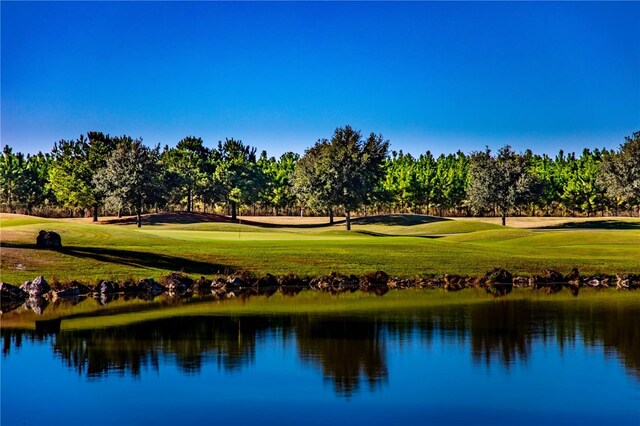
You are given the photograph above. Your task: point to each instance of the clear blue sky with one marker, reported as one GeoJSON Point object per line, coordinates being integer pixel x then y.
{"type": "Point", "coordinates": [438, 76]}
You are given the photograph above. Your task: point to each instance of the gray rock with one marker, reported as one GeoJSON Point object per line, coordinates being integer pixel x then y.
{"type": "Point", "coordinates": [10, 293]}
{"type": "Point", "coordinates": [73, 291]}
{"type": "Point", "coordinates": [106, 287]}
{"type": "Point", "coordinates": [37, 287]}
{"type": "Point", "coordinates": [48, 239]}
{"type": "Point", "coordinates": [148, 285]}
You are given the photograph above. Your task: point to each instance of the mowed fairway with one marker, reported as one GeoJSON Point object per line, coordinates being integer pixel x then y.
{"type": "Point", "coordinates": [402, 245]}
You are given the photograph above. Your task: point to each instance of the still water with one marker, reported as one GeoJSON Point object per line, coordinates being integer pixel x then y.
{"type": "Point", "coordinates": [516, 362]}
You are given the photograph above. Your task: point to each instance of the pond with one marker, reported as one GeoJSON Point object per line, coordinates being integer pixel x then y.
{"type": "Point", "coordinates": [508, 362]}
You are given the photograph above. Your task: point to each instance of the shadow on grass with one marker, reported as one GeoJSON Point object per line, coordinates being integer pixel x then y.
{"type": "Point", "coordinates": [174, 217]}
{"type": "Point", "coordinates": [259, 224]}
{"type": "Point", "coordinates": [398, 219]}
{"type": "Point", "coordinates": [596, 224]}
{"type": "Point", "coordinates": [135, 259]}
{"type": "Point", "coordinates": [381, 234]}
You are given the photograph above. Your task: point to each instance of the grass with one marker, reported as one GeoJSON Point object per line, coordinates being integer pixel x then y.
{"type": "Point", "coordinates": [402, 245]}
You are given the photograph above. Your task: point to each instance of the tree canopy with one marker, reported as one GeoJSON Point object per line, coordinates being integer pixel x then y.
{"type": "Point", "coordinates": [345, 174]}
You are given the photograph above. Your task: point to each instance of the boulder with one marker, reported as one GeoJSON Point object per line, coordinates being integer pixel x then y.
{"type": "Point", "coordinates": [268, 281]}
{"type": "Point", "coordinates": [11, 293]}
{"type": "Point", "coordinates": [573, 281]}
{"type": "Point", "coordinates": [37, 287]}
{"type": "Point", "coordinates": [74, 290]}
{"type": "Point", "coordinates": [453, 282]}
{"type": "Point", "coordinates": [107, 287]}
{"type": "Point", "coordinates": [431, 282]}
{"type": "Point", "coordinates": [370, 282]}
{"type": "Point", "coordinates": [235, 282]}
{"type": "Point", "coordinates": [177, 282]}
{"type": "Point", "coordinates": [553, 276]}
{"type": "Point", "coordinates": [291, 280]}
{"type": "Point", "coordinates": [498, 275]}
{"type": "Point", "coordinates": [218, 284]}
{"type": "Point", "coordinates": [573, 278]}
{"type": "Point", "coordinates": [149, 286]}
{"type": "Point", "coordinates": [627, 282]}
{"type": "Point", "coordinates": [48, 239]}
{"type": "Point", "coordinates": [400, 283]}
{"type": "Point", "coordinates": [202, 284]}
{"type": "Point", "coordinates": [520, 281]}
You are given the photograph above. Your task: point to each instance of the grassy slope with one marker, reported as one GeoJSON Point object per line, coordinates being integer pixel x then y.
{"type": "Point", "coordinates": [96, 251]}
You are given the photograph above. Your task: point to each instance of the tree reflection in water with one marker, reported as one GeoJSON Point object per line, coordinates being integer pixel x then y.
{"type": "Point", "coordinates": [347, 350]}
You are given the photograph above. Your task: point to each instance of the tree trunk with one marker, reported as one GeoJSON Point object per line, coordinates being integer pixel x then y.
{"type": "Point", "coordinates": [189, 200]}
{"type": "Point", "coordinates": [504, 218]}
{"type": "Point", "coordinates": [95, 212]}
{"type": "Point", "coordinates": [330, 216]}
{"type": "Point", "coordinates": [348, 219]}
{"type": "Point", "coordinates": [119, 213]}
{"type": "Point", "coordinates": [138, 219]}
{"type": "Point", "coordinates": [234, 214]}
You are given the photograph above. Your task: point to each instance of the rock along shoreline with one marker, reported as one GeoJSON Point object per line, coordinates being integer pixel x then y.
{"type": "Point", "coordinates": [36, 294]}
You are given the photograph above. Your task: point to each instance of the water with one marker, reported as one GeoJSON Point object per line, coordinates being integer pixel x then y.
{"type": "Point", "coordinates": [496, 363]}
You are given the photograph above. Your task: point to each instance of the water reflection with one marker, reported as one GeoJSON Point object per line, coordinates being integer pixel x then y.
{"type": "Point", "coordinates": [349, 351]}
{"type": "Point", "coordinates": [345, 350]}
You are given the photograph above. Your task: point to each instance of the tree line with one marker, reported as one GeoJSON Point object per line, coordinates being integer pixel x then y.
{"type": "Point", "coordinates": [349, 173]}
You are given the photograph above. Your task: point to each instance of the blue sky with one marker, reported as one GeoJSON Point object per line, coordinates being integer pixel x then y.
{"type": "Point", "coordinates": [438, 76]}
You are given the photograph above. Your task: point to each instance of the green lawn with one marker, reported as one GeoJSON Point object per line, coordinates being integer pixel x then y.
{"type": "Point", "coordinates": [400, 245]}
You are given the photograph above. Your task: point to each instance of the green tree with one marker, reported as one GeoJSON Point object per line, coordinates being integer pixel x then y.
{"type": "Point", "coordinates": [620, 172]}
{"type": "Point", "coordinates": [502, 181]}
{"type": "Point", "coordinates": [344, 171]}
{"type": "Point", "coordinates": [190, 163]}
{"type": "Point", "coordinates": [76, 162]}
{"type": "Point", "coordinates": [239, 178]}
{"type": "Point", "coordinates": [278, 189]}
{"type": "Point", "coordinates": [131, 175]}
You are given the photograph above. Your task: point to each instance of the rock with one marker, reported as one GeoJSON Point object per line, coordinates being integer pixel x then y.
{"type": "Point", "coordinates": [37, 304]}
{"type": "Point", "coordinates": [573, 281]}
{"type": "Point", "coordinates": [453, 282]}
{"type": "Point", "coordinates": [573, 278]}
{"type": "Point", "coordinates": [107, 287]}
{"type": "Point", "coordinates": [149, 286]}
{"type": "Point", "coordinates": [76, 289]}
{"type": "Point", "coordinates": [553, 276]}
{"type": "Point", "coordinates": [37, 287]}
{"type": "Point", "coordinates": [202, 284]}
{"type": "Point", "coordinates": [627, 282]}
{"type": "Point", "coordinates": [319, 283]}
{"type": "Point", "coordinates": [218, 284]}
{"type": "Point", "coordinates": [268, 281]}
{"type": "Point", "coordinates": [11, 293]}
{"type": "Point", "coordinates": [48, 239]}
{"type": "Point", "coordinates": [371, 282]}
{"type": "Point", "coordinates": [128, 287]}
{"type": "Point", "coordinates": [498, 275]}
{"type": "Point", "coordinates": [177, 282]}
{"type": "Point", "coordinates": [520, 281]}
{"type": "Point", "coordinates": [396, 283]}
{"type": "Point", "coordinates": [235, 282]}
